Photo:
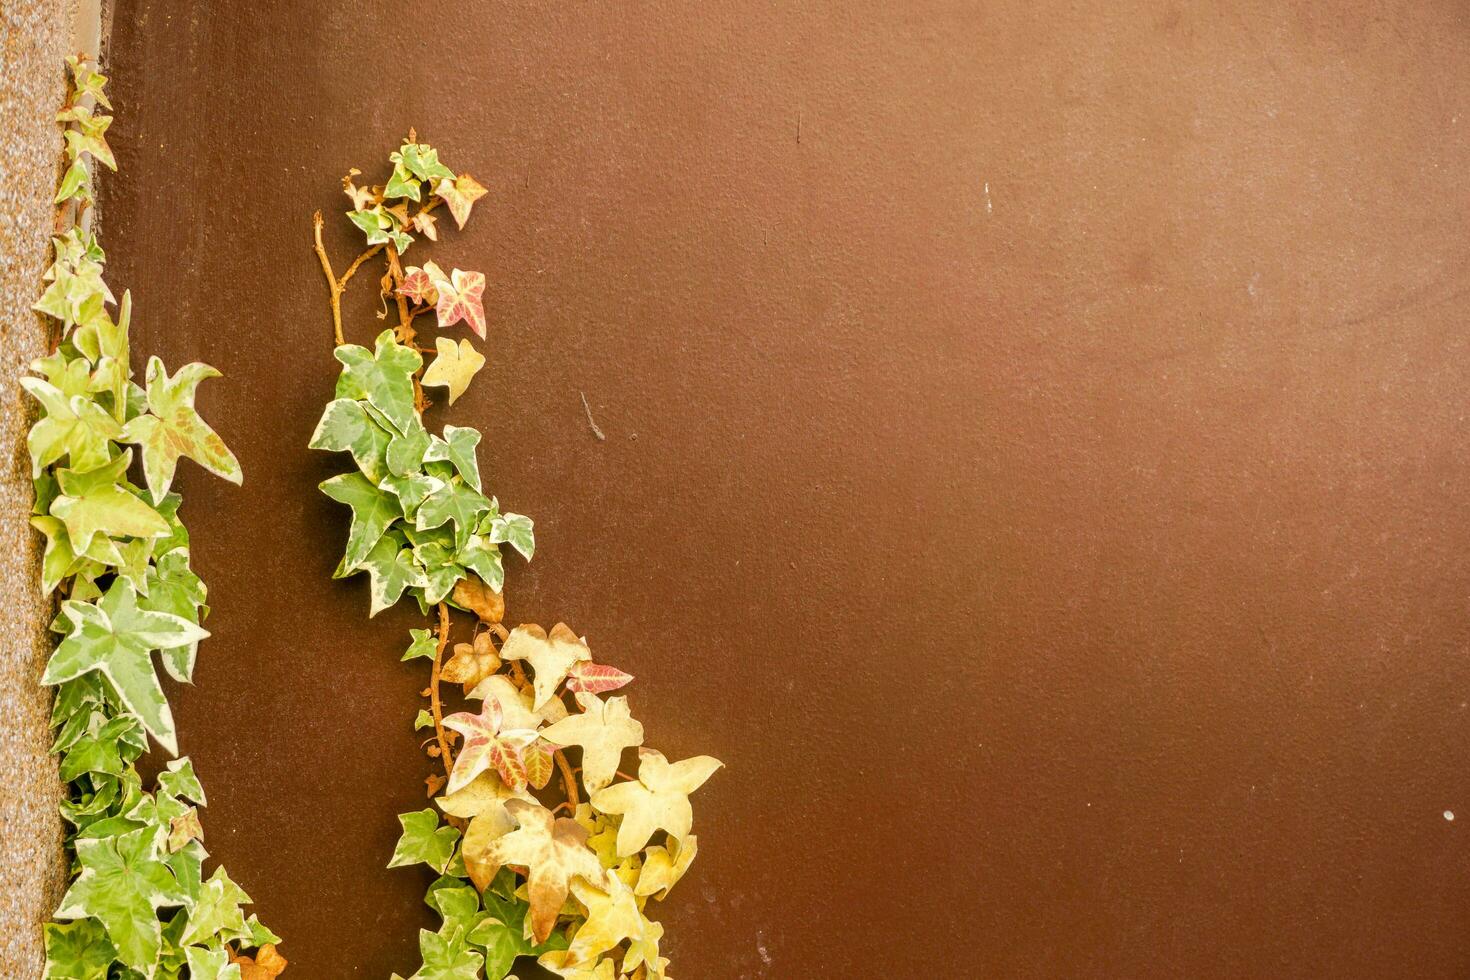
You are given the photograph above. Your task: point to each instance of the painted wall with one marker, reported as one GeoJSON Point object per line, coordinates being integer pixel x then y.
{"type": "Point", "coordinates": [1035, 462]}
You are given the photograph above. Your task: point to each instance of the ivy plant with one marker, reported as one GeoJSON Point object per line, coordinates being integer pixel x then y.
{"type": "Point", "coordinates": [117, 556]}
{"type": "Point", "coordinates": [538, 843]}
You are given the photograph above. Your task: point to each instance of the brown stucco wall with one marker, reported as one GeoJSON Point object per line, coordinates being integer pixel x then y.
{"type": "Point", "coordinates": [37, 36]}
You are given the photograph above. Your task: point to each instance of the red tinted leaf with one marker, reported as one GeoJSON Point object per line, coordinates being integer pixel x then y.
{"type": "Point", "coordinates": [590, 678]}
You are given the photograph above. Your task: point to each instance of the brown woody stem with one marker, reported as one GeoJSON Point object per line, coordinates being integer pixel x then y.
{"type": "Point", "coordinates": [568, 780]}
{"type": "Point", "coordinates": [435, 706]}
{"type": "Point", "coordinates": [332, 282]}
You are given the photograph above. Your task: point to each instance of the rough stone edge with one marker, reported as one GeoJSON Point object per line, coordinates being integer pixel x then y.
{"type": "Point", "coordinates": [35, 38]}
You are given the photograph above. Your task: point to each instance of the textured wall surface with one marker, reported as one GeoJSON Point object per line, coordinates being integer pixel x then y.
{"type": "Point", "coordinates": [35, 38]}
{"type": "Point", "coordinates": [1036, 458]}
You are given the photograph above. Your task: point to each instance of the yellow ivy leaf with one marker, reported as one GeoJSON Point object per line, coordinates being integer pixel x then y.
{"type": "Point", "coordinates": [454, 367]}
{"type": "Point", "coordinates": [603, 729]}
{"type": "Point", "coordinates": [486, 791]}
{"type": "Point", "coordinates": [662, 870]}
{"type": "Point", "coordinates": [551, 657]}
{"type": "Point", "coordinates": [658, 800]}
{"type": "Point", "coordinates": [612, 916]}
{"type": "Point", "coordinates": [558, 963]}
{"type": "Point", "coordinates": [553, 850]}
{"type": "Point", "coordinates": [643, 951]}
{"type": "Point", "coordinates": [515, 704]}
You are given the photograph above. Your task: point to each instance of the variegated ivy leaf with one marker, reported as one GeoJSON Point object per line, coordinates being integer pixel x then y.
{"type": "Point", "coordinates": [116, 638]}
{"type": "Point", "coordinates": [123, 884]}
{"type": "Point", "coordinates": [454, 367]}
{"type": "Point", "coordinates": [89, 136]}
{"type": "Point", "coordinates": [346, 426]}
{"type": "Point", "coordinates": [482, 556]}
{"type": "Point", "coordinates": [488, 744]}
{"type": "Point", "coordinates": [383, 378]}
{"type": "Point", "coordinates": [454, 503]}
{"type": "Point", "coordinates": [87, 80]}
{"type": "Point", "coordinates": [586, 677]}
{"type": "Point", "coordinates": [78, 950]}
{"type": "Point", "coordinates": [92, 502]}
{"type": "Point", "coordinates": [382, 227]}
{"type": "Point", "coordinates": [658, 800]}
{"type": "Point", "coordinates": [391, 569]}
{"type": "Point", "coordinates": [405, 454]}
{"type": "Point", "coordinates": [418, 285]}
{"type": "Point", "coordinates": [550, 656]}
{"type": "Point", "coordinates": [461, 298]}
{"type": "Point", "coordinates": [612, 916]}
{"type": "Point", "coordinates": [460, 194]}
{"type": "Point", "coordinates": [422, 161]}
{"type": "Point", "coordinates": [603, 729]}
{"type": "Point", "coordinates": [427, 225]}
{"type": "Point", "coordinates": [424, 841]}
{"type": "Point", "coordinates": [210, 964]}
{"type": "Point", "coordinates": [58, 561]}
{"type": "Point", "coordinates": [75, 183]}
{"type": "Point", "coordinates": [411, 490]}
{"type": "Point", "coordinates": [373, 511]}
{"type": "Point", "coordinates": [173, 428]}
{"type": "Point", "coordinates": [447, 957]}
{"type": "Point", "coordinates": [74, 426]}
{"type": "Point", "coordinates": [458, 447]}
{"type": "Point", "coordinates": [554, 851]}
{"type": "Point", "coordinates": [174, 588]}
{"type": "Point", "coordinates": [516, 530]}
{"type": "Point", "coordinates": [217, 911]}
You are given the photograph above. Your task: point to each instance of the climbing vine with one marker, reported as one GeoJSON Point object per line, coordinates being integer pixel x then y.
{"type": "Point", "coordinates": [118, 557]}
{"type": "Point", "coordinates": [542, 845]}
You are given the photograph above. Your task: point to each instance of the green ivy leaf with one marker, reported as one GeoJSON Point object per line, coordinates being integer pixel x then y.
{"type": "Point", "coordinates": [73, 426]}
{"type": "Point", "coordinates": [79, 950]}
{"type": "Point", "coordinates": [115, 638]}
{"type": "Point", "coordinates": [123, 884]}
{"type": "Point", "coordinates": [424, 841]}
{"type": "Point", "coordinates": [482, 556]}
{"type": "Point", "coordinates": [373, 511]}
{"type": "Point", "coordinates": [174, 428]}
{"type": "Point", "coordinates": [424, 644]}
{"type": "Point", "coordinates": [383, 378]}
{"type": "Point", "coordinates": [421, 160]}
{"type": "Point", "coordinates": [406, 452]}
{"type": "Point", "coordinates": [447, 957]}
{"type": "Point", "coordinates": [179, 779]}
{"type": "Point", "coordinates": [411, 490]}
{"type": "Point", "coordinates": [92, 502]}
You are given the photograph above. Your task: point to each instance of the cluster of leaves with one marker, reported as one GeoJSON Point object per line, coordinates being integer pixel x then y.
{"type": "Point", "coordinates": [515, 876]}
{"type": "Point", "coordinates": [139, 905]}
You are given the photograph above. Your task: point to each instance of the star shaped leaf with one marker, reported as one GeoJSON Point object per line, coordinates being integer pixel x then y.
{"type": "Point", "coordinates": [454, 367]}
{"type": "Point", "coordinates": [173, 428]}
{"type": "Point", "coordinates": [586, 677]}
{"type": "Point", "coordinates": [123, 884]}
{"type": "Point", "coordinates": [391, 569]}
{"type": "Point", "coordinates": [373, 510]}
{"type": "Point", "coordinates": [661, 870]}
{"type": "Point", "coordinates": [346, 426]}
{"type": "Point", "coordinates": [488, 744]}
{"type": "Point", "coordinates": [424, 841]}
{"type": "Point", "coordinates": [93, 502]}
{"type": "Point", "coordinates": [553, 850]}
{"type": "Point", "coordinates": [603, 729]}
{"type": "Point", "coordinates": [78, 950]}
{"type": "Point", "coordinates": [551, 657]}
{"type": "Point", "coordinates": [115, 638]}
{"type": "Point", "coordinates": [73, 426]}
{"type": "Point", "coordinates": [382, 378]}
{"type": "Point", "coordinates": [658, 800]}
{"type": "Point", "coordinates": [612, 916]}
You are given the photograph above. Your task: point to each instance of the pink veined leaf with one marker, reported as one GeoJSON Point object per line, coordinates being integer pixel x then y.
{"type": "Point", "coordinates": [417, 286]}
{"type": "Point", "coordinates": [459, 299]}
{"type": "Point", "coordinates": [486, 746]}
{"type": "Point", "coordinates": [587, 677]}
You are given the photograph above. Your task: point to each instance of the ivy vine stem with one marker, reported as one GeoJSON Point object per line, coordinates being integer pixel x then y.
{"type": "Point", "coordinates": [333, 283]}
{"type": "Point", "coordinates": [436, 706]}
